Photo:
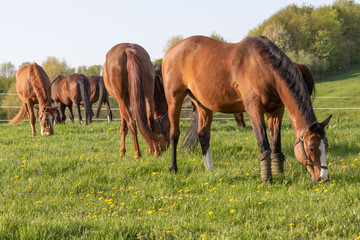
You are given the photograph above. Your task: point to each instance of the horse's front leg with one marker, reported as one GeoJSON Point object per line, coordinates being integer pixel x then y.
{"type": "Point", "coordinates": [259, 127]}
{"type": "Point", "coordinates": [274, 125]}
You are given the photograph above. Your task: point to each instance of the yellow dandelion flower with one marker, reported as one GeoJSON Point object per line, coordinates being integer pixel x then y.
{"type": "Point", "coordinates": [168, 231]}
{"type": "Point", "coordinates": [166, 201]}
{"type": "Point", "coordinates": [65, 213]}
{"type": "Point", "coordinates": [123, 203]}
{"type": "Point", "coordinates": [101, 198]}
{"type": "Point", "coordinates": [316, 190]}
{"type": "Point", "coordinates": [206, 183]}
{"type": "Point", "coordinates": [358, 237]}
{"type": "Point", "coordinates": [233, 186]}
{"type": "Point", "coordinates": [154, 173]}
{"type": "Point", "coordinates": [247, 198]}
{"type": "Point", "coordinates": [180, 190]}
{"type": "Point", "coordinates": [220, 179]}
{"type": "Point", "coordinates": [150, 212]}
{"type": "Point", "coordinates": [330, 163]}
{"type": "Point", "coordinates": [344, 166]}
{"type": "Point", "coordinates": [179, 198]}
{"type": "Point", "coordinates": [247, 174]}
{"type": "Point", "coordinates": [113, 205]}
{"type": "Point", "coordinates": [232, 211]}
{"type": "Point", "coordinates": [104, 208]}
{"type": "Point", "coordinates": [226, 163]}
{"type": "Point", "coordinates": [38, 202]}
{"type": "Point", "coordinates": [210, 213]}
{"type": "Point", "coordinates": [139, 218]}
{"type": "Point", "coordinates": [203, 235]}
{"type": "Point", "coordinates": [260, 203]}
{"type": "Point", "coordinates": [160, 209]}
{"type": "Point", "coordinates": [325, 190]}
{"type": "Point", "coordinates": [291, 224]}
{"type": "Point", "coordinates": [114, 213]}
{"type": "Point", "coordinates": [231, 200]}
{"type": "Point", "coordinates": [175, 205]}
{"type": "Point", "coordinates": [307, 215]}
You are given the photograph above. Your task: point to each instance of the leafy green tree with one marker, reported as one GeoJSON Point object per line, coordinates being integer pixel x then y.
{"type": "Point", "coordinates": [7, 69]}
{"type": "Point", "coordinates": [171, 42]}
{"type": "Point", "coordinates": [217, 36]}
{"type": "Point", "coordinates": [94, 70]}
{"type": "Point", "coordinates": [157, 61]}
{"type": "Point", "coordinates": [277, 33]}
{"type": "Point", "coordinates": [54, 67]}
{"type": "Point", "coordinates": [81, 69]}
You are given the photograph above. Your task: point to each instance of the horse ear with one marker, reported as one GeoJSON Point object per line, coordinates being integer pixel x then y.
{"type": "Point", "coordinates": [326, 121]}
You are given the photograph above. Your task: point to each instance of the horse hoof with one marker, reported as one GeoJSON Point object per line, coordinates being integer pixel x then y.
{"type": "Point", "coordinates": [173, 170]}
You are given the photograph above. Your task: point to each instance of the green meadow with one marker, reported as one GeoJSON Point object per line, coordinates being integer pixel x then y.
{"type": "Point", "coordinates": [73, 185]}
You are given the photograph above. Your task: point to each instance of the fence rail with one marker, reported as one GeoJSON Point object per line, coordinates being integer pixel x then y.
{"type": "Point", "coordinates": [190, 109]}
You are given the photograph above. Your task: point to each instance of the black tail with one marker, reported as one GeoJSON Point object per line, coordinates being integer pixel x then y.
{"type": "Point", "coordinates": [84, 91]}
{"type": "Point", "coordinates": [191, 139]}
{"type": "Point", "coordinates": [102, 94]}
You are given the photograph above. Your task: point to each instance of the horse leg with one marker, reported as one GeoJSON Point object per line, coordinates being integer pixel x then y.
{"type": "Point", "coordinates": [108, 109]}
{"type": "Point", "coordinates": [127, 118]}
{"type": "Point", "coordinates": [123, 133]}
{"type": "Point", "coordinates": [204, 126]}
{"type": "Point", "coordinates": [31, 116]}
{"type": "Point", "coordinates": [259, 127]}
{"type": "Point", "coordinates": [239, 118]}
{"type": "Point", "coordinates": [274, 124]}
{"type": "Point", "coordinates": [62, 113]}
{"type": "Point", "coordinates": [174, 102]}
{"type": "Point", "coordinates": [71, 114]}
{"type": "Point", "coordinates": [78, 112]}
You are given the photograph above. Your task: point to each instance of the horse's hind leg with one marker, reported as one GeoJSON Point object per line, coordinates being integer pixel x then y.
{"type": "Point", "coordinates": [277, 157]}
{"type": "Point", "coordinates": [71, 114]}
{"type": "Point", "coordinates": [258, 124]}
{"type": "Point", "coordinates": [77, 105]}
{"type": "Point", "coordinates": [108, 109]}
{"type": "Point", "coordinates": [127, 122]}
{"type": "Point", "coordinates": [31, 116]}
{"type": "Point", "coordinates": [204, 126]}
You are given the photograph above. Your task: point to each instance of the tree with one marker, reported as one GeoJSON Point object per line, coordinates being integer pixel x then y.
{"type": "Point", "coordinates": [171, 42]}
{"type": "Point", "coordinates": [94, 70]}
{"type": "Point", "coordinates": [278, 34]}
{"type": "Point", "coordinates": [54, 67]}
{"type": "Point", "coordinates": [81, 69]}
{"type": "Point", "coordinates": [217, 36]}
{"type": "Point", "coordinates": [7, 69]}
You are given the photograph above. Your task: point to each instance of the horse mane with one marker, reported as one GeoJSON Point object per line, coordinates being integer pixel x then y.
{"type": "Point", "coordinates": [40, 83]}
{"type": "Point", "coordinates": [287, 70]}
{"type": "Point", "coordinates": [57, 78]}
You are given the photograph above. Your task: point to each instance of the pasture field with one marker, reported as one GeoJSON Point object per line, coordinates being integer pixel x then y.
{"type": "Point", "coordinates": [73, 185]}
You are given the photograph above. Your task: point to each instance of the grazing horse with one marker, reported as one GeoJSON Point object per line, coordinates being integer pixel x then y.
{"type": "Point", "coordinates": [69, 91]}
{"type": "Point", "coordinates": [255, 76]}
{"type": "Point", "coordinates": [129, 78]}
{"type": "Point", "coordinates": [33, 87]}
{"type": "Point", "coordinates": [98, 93]}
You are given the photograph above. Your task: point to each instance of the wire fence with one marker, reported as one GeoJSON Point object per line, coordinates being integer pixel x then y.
{"type": "Point", "coordinates": [184, 109]}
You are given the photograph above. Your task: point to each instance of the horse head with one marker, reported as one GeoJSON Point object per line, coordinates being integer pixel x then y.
{"type": "Point", "coordinates": [310, 149]}
{"type": "Point", "coordinates": [46, 119]}
{"type": "Point", "coordinates": [161, 108]}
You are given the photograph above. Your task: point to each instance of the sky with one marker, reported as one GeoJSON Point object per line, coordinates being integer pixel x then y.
{"type": "Point", "coordinates": [81, 32]}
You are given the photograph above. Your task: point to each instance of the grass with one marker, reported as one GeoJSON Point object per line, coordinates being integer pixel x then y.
{"type": "Point", "coordinates": [73, 185]}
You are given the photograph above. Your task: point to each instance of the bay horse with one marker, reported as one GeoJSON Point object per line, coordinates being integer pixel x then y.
{"type": "Point", "coordinates": [33, 87]}
{"type": "Point", "coordinates": [255, 76]}
{"type": "Point", "coordinates": [69, 91]}
{"type": "Point", "coordinates": [98, 93]}
{"type": "Point", "coordinates": [129, 78]}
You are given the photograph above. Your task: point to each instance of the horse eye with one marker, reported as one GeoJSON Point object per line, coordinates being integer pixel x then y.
{"type": "Point", "coordinates": [312, 150]}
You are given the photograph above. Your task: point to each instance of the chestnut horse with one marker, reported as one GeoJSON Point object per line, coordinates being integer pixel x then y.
{"type": "Point", "coordinates": [255, 76]}
{"type": "Point", "coordinates": [69, 91]}
{"type": "Point", "coordinates": [129, 78]}
{"type": "Point", "coordinates": [33, 87]}
{"type": "Point", "coordinates": [98, 93]}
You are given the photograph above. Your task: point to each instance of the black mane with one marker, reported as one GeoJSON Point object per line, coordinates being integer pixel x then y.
{"type": "Point", "coordinates": [291, 75]}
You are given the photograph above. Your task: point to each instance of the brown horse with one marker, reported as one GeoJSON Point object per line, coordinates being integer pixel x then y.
{"type": "Point", "coordinates": [255, 76]}
{"type": "Point", "coordinates": [129, 78]}
{"type": "Point", "coordinates": [33, 87]}
{"type": "Point", "coordinates": [69, 91]}
{"type": "Point", "coordinates": [98, 93]}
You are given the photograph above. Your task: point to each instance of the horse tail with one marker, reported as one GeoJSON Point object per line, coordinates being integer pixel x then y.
{"type": "Point", "coordinates": [84, 91]}
{"type": "Point", "coordinates": [191, 139]}
{"type": "Point", "coordinates": [102, 95]}
{"type": "Point", "coordinates": [20, 116]}
{"type": "Point", "coordinates": [137, 96]}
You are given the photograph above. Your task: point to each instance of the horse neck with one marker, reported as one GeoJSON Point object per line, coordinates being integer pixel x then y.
{"type": "Point", "coordinates": [299, 107]}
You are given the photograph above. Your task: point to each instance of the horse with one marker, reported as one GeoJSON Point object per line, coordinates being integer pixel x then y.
{"type": "Point", "coordinates": [98, 93]}
{"type": "Point", "coordinates": [129, 78]}
{"type": "Point", "coordinates": [33, 87]}
{"type": "Point", "coordinates": [255, 76]}
{"type": "Point", "coordinates": [69, 91]}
